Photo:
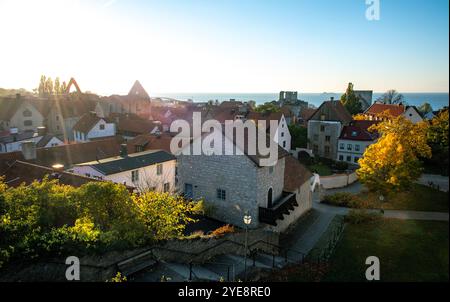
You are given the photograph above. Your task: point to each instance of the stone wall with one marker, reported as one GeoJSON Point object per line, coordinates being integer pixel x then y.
{"type": "Point", "coordinates": [317, 137]}
{"type": "Point", "coordinates": [338, 180]}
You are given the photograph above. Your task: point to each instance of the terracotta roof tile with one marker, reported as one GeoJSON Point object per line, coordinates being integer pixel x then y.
{"type": "Point", "coordinates": [392, 109]}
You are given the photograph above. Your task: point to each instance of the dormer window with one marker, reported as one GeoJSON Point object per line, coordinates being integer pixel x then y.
{"type": "Point", "coordinates": [354, 133]}
{"type": "Point", "coordinates": [102, 126]}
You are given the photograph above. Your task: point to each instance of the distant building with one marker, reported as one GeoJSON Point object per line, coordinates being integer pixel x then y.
{"type": "Point", "coordinates": [23, 113]}
{"type": "Point", "coordinates": [13, 140]}
{"type": "Point", "coordinates": [90, 126]}
{"type": "Point", "coordinates": [149, 170]}
{"type": "Point", "coordinates": [378, 111]}
{"type": "Point", "coordinates": [289, 99]}
{"type": "Point", "coordinates": [325, 126]}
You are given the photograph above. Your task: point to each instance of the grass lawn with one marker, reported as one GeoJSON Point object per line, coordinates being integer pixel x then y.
{"type": "Point", "coordinates": [418, 198]}
{"type": "Point", "coordinates": [408, 250]}
{"type": "Point", "coordinates": [321, 169]}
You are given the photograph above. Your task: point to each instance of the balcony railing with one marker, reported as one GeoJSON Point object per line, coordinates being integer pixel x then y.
{"type": "Point", "coordinates": [286, 204]}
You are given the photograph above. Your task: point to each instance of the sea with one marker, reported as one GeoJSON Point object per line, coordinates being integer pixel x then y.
{"type": "Point", "coordinates": [436, 100]}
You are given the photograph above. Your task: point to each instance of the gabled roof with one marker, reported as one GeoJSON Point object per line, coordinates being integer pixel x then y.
{"type": "Point", "coordinates": [9, 105]}
{"type": "Point", "coordinates": [307, 113]}
{"type": "Point", "coordinates": [295, 174]}
{"type": "Point", "coordinates": [45, 140]}
{"type": "Point", "coordinates": [150, 141]}
{"type": "Point", "coordinates": [18, 172]}
{"type": "Point", "coordinates": [138, 91]}
{"type": "Point", "coordinates": [87, 122]}
{"type": "Point", "coordinates": [70, 154]}
{"type": "Point", "coordinates": [393, 109]}
{"type": "Point", "coordinates": [132, 123]}
{"type": "Point", "coordinates": [133, 161]}
{"type": "Point", "coordinates": [333, 111]}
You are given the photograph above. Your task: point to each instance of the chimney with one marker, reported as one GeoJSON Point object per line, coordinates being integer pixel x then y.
{"type": "Point", "coordinates": [29, 150]}
{"type": "Point", "coordinates": [123, 150]}
{"type": "Point", "coordinates": [41, 131]}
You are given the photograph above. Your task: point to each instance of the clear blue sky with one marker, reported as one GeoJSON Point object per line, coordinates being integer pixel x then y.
{"type": "Point", "coordinates": [240, 45]}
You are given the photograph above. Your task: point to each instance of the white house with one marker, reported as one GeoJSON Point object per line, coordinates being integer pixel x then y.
{"type": "Point", "coordinates": [354, 140]}
{"type": "Point", "coordinates": [90, 126]}
{"type": "Point", "coordinates": [377, 110]}
{"type": "Point", "coordinates": [148, 170]}
{"type": "Point", "coordinates": [13, 141]}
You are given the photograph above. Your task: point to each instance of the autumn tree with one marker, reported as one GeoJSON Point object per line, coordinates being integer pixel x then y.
{"type": "Point", "coordinates": [392, 163]}
{"type": "Point", "coordinates": [437, 136]}
{"type": "Point", "coordinates": [351, 101]}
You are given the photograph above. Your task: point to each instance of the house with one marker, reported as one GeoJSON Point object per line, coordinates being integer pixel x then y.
{"type": "Point", "coordinates": [233, 185]}
{"type": "Point", "coordinates": [67, 111]}
{"type": "Point", "coordinates": [381, 111]}
{"type": "Point", "coordinates": [130, 125]}
{"type": "Point", "coordinates": [146, 142]}
{"type": "Point", "coordinates": [12, 140]}
{"type": "Point", "coordinates": [148, 170]}
{"type": "Point", "coordinates": [66, 155]}
{"type": "Point", "coordinates": [354, 140]}
{"type": "Point", "coordinates": [325, 126]}
{"type": "Point", "coordinates": [23, 113]}
{"type": "Point", "coordinates": [18, 172]}
{"type": "Point", "coordinates": [90, 126]}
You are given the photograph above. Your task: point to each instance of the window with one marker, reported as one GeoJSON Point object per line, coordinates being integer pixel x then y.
{"type": "Point", "coordinates": [322, 128]}
{"type": "Point", "coordinates": [57, 117]}
{"type": "Point", "coordinates": [284, 144]}
{"type": "Point", "coordinates": [342, 146]}
{"type": "Point", "coordinates": [315, 149]}
{"type": "Point", "coordinates": [341, 157]}
{"type": "Point", "coordinates": [27, 113]}
{"type": "Point", "coordinates": [349, 147]}
{"type": "Point", "coordinates": [356, 159]}
{"type": "Point", "coordinates": [327, 150]}
{"type": "Point", "coordinates": [166, 187]}
{"type": "Point", "coordinates": [357, 148]}
{"type": "Point", "coordinates": [282, 134]}
{"type": "Point", "coordinates": [57, 127]}
{"type": "Point", "coordinates": [221, 194]}
{"type": "Point", "coordinates": [322, 117]}
{"type": "Point", "coordinates": [159, 169]}
{"type": "Point", "coordinates": [28, 123]}
{"type": "Point", "coordinates": [135, 175]}
{"type": "Point", "coordinates": [102, 126]}
{"type": "Point", "coordinates": [328, 138]}
{"type": "Point", "coordinates": [349, 158]}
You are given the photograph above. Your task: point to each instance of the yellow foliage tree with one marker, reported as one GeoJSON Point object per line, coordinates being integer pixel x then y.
{"type": "Point", "coordinates": [392, 163]}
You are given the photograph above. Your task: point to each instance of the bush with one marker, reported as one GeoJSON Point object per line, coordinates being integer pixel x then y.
{"type": "Point", "coordinates": [362, 216]}
{"type": "Point", "coordinates": [341, 199]}
{"type": "Point", "coordinates": [341, 165]}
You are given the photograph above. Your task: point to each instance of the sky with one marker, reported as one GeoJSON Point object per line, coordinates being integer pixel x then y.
{"type": "Point", "coordinates": [223, 46]}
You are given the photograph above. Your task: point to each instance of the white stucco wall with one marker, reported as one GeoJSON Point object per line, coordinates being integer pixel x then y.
{"type": "Point", "coordinates": [96, 132]}
{"type": "Point", "coordinates": [412, 115]}
{"type": "Point", "coordinates": [282, 135]}
{"type": "Point", "coordinates": [18, 119]}
{"type": "Point", "coordinates": [352, 153]}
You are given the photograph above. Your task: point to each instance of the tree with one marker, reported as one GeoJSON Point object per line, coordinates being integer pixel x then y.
{"type": "Point", "coordinates": [392, 163]}
{"type": "Point", "coordinates": [425, 108]}
{"type": "Point", "coordinates": [41, 88]}
{"type": "Point", "coordinates": [391, 97]}
{"type": "Point", "coordinates": [299, 136]}
{"type": "Point", "coordinates": [437, 137]}
{"type": "Point", "coordinates": [57, 87]}
{"type": "Point", "coordinates": [164, 215]}
{"type": "Point", "coordinates": [351, 101]}
{"type": "Point", "coordinates": [267, 108]}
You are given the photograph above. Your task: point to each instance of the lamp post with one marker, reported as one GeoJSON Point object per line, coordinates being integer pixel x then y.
{"type": "Point", "coordinates": [247, 221]}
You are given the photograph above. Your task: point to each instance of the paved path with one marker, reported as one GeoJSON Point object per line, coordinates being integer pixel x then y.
{"type": "Point", "coordinates": [398, 214]}
{"type": "Point", "coordinates": [441, 181]}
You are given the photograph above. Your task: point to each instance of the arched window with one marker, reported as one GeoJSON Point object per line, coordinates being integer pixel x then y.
{"type": "Point", "coordinates": [269, 198]}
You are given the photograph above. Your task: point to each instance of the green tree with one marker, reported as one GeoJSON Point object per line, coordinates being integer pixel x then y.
{"type": "Point", "coordinates": [392, 163]}
{"type": "Point", "coordinates": [267, 108]}
{"type": "Point", "coordinates": [425, 108]}
{"type": "Point", "coordinates": [299, 136]}
{"type": "Point", "coordinates": [351, 101]}
{"type": "Point", "coordinates": [437, 137]}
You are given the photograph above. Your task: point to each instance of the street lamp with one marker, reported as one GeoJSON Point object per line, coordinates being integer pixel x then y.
{"type": "Point", "coordinates": [247, 221]}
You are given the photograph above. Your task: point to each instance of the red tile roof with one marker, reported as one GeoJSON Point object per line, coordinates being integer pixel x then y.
{"type": "Point", "coordinates": [392, 109]}
{"type": "Point", "coordinates": [150, 142]}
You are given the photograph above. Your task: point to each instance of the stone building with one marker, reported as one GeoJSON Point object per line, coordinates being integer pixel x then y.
{"type": "Point", "coordinates": [325, 126]}
{"type": "Point", "coordinates": [232, 185]}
